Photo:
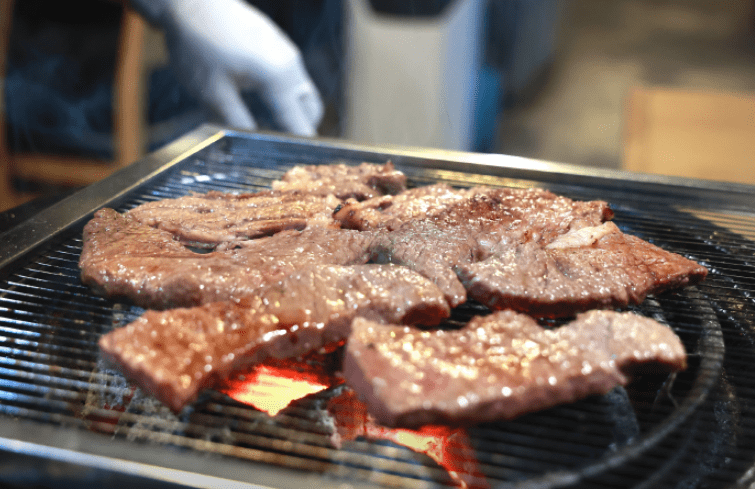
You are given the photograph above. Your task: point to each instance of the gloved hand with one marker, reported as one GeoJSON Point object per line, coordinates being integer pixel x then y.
{"type": "Point", "coordinates": [223, 47]}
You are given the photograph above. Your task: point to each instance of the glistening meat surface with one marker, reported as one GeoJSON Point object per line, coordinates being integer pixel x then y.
{"type": "Point", "coordinates": [305, 196]}
{"type": "Point", "coordinates": [214, 218]}
{"type": "Point", "coordinates": [175, 354]}
{"type": "Point", "coordinates": [499, 366]}
{"type": "Point", "coordinates": [596, 267]}
{"type": "Point", "coordinates": [298, 289]}
{"type": "Point", "coordinates": [360, 182]}
{"type": "Point", "coordinates": [391, 211]}
{"type": "Point", "coordinates": [122, 257]}
{"type": "Point", "coordinates": [471, 229]}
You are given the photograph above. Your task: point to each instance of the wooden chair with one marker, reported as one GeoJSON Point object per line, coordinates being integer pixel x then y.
{"type": "Point", "coordinates": [690, 133]}
{"type": "Point", "coordinates": [128, 117]}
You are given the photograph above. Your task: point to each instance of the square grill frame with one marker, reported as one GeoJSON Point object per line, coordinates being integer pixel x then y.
{"type": "Point", "coordinates": [730, 206]}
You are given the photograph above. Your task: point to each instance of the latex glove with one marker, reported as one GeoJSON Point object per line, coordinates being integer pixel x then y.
{"type": "Point", "coordinates": [223, 47]}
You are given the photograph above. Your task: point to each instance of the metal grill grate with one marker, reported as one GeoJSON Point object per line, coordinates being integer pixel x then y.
{"type": "Point", "coordinates": [693, 432]}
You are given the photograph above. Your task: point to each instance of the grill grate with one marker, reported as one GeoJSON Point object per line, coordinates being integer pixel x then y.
{"type": "Point", "coordinates": [694, 431]}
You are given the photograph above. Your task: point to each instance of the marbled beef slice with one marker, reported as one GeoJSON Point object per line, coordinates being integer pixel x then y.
{"type": "Point", "coordinates": [360, 182]}
{"type": "Point", "coordinates": [122, 257]}
{"type": "Point", "coordinates": [305, 196]}
{"type": "Point", "coordinates": [587, 268]}
{"type": "Point", "coordinates": [175, 354]}
{"type": "Point", "coordinates": [499, 366]}
{"type": "Point", "coordinates": [467, 230]}
{"type": "Point", "coordinates": [388, 212]}
{"type": "Point", "coordinates": [213, 218]}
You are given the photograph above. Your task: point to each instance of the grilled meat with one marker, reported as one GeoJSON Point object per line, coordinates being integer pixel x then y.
{"type": "Point", "coordinates": [345, 182]}
{"type": "Point", "coordinates": [391, 211]}
{"type": "Point", "coordinates": [174, 354]}
{"type": "Point", "coordinates": [213, 218]}
{"type": "Point", "coordinates": [596, 267]}
{"type": "Point", "coordinates": [305, 196]}
{"type": "Point", "coordinates": [122, 257]}
{"type": "Point", "coordinates": [302, 280]}
{"type": "Point", "coordinates": [499, 366]}
{"type": "Point", "coordinates": [472, 229]}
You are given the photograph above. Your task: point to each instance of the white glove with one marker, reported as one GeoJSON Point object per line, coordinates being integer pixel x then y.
{"type": "Point", "coordinates": [223, 47]}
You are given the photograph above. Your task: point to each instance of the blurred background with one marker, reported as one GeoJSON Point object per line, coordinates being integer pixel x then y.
{"type": "Point", "coordinates": [657, 86]}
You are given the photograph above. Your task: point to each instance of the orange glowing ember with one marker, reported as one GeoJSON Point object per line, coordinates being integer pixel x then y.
{"type": "Point", "coordinates": [273, 385]}
{"type": "Point", "coordinates": [271, 389]}
{"type": "Point", "coordinates": [448, 447]}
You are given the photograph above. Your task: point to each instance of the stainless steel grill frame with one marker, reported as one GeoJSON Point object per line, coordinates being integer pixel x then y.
{"type": "Point", "coordinates": [701, 436]}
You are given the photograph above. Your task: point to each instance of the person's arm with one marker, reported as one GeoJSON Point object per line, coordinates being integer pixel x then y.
{"type": "Point", "coordinates": [220, 48]}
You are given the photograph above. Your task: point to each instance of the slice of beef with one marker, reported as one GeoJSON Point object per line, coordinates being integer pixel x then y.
{"type": "Point", "coordinates": [174, 354]}
{"type": "Point", "coordinates": [391, 211]}
{"type": "Point", "coordinates": [589, 268]}
{"type": "Point", "coordinates": [123, 258]}
{"type": "Point", "coordinates": [430, 251]}
{"type": "Point", "coordinates": [305, 196]}
{"type": "Point", "coordinates": [499, 366]}
{"type": "Point", "coordinates": [215, 217]}
{"type": "Point", "coordinates": [344, 181]}
{"type": "Point", "coordinates": [473, 228]}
